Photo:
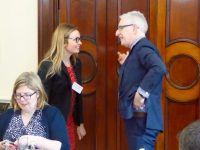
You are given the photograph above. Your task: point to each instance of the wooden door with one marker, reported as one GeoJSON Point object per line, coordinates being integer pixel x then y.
{"type": "Point", "coordinates": [90, 18]}
{"type": "Point", "coordinates": [179, 41]}
{"type": "Point", "coordinates": [115, 128]}
{"type": "Point", "coordinates": [173, 28]}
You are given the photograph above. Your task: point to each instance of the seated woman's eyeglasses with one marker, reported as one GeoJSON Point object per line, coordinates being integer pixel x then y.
{"type": "Point", "coordinates": [26, 96]}
{"type": "Point", "coordinates": [77, 39]}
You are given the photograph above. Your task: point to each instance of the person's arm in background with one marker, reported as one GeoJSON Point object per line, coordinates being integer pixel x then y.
{"type": "Point", "coordinates": [5, 118]}
{"type": "Point", "coordinates": [58, 129]}
{"type": "Point", "coordinates": [42, 72]}
{"type": "Point", "coordinates": [58, 138]}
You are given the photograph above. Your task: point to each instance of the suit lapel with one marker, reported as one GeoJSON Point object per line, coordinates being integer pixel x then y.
{"type": "Point", "coordinates": [121, 71]}
{"type": "Point", "coordinates": [124, 64]}
{"type": "Point", "coordinates": [64, 68]}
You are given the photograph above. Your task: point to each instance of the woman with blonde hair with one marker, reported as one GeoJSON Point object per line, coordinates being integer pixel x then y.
{"type": "Point", "coordinates": [59, 70]}
{"type": "Point", "coordinates": [32, 118]}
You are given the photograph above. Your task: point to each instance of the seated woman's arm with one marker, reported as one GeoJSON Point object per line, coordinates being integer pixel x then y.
{"type": "Point", "coordinates": [41, 143]}
{"type": "Point", "coordinates": [57, 127]}
{"type": "Point", "coordinates": [57, 130]}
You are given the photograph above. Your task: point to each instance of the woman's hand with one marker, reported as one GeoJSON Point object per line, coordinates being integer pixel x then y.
{"type": "Point", "coordinates": [40, 142]}
{"type": "Point", "coordinates": [81, 131]}
{"type": "Point", "coordinates": [1, 144]}
{"type": "Point", "coordinates": [24, 140]}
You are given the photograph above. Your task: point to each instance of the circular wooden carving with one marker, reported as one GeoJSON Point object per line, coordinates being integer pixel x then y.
{"type": "Point", "coordinates": [89, 66]}
{"type": "Point", "coordinates": [183, 71]}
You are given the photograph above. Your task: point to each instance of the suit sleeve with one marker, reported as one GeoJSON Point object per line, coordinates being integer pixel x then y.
{"type": "Point", "coordinates": [42, 72]}
{"type": "Point", "coordinates": [152, 62]}
{"type": "Point", "coordinates": [58, 129]}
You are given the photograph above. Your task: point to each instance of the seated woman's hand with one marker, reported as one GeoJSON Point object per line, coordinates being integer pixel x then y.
{"type": "Point", "coordinates": [1, 144]}
{"type": "Point", "coordinates": [25, 140]}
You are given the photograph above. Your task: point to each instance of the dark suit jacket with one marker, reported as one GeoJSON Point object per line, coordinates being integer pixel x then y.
{"type": "Point", "coordinates": [59, 89]}
{"type": "Point", "coordinates": [143, 68]}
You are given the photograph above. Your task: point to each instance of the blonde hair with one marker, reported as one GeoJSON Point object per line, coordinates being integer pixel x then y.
{"type": "Point", "coordinates": [56, 52]}
{"type": "Point", "coordinates": [32, 81]}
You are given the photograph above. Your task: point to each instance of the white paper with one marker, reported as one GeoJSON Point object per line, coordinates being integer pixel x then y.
{"type": "Point", "coordinates": [76, 87]}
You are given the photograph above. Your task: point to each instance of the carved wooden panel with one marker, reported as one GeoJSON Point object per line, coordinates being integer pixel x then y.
{"type": "Point", "coordinates": [89, 109]}
{"type": "Point", "coordinates": [183, 71]}
{"type": "Point", "coordinates": [81, 14]}
{"type": "Point", "coordinates": [178, 115]}
{"type": "Point", "coordinates": [182, 57]}
{"type": "Point", "coordinates": [183, 21]}
{"type": "Point", "coordinates": [47, 22]}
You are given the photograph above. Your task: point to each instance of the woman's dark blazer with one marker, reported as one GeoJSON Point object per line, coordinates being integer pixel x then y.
{"type": "Point", "coordinates": [59, 89]}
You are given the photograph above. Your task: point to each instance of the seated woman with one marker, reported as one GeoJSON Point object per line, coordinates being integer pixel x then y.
{"type": "Point", "coordinates": [32, 117]}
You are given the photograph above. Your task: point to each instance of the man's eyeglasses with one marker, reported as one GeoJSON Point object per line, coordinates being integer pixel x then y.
{"type": "Point", "coordinates": [26, 97]}
{"type": "Point", "coordinates": [121, 27]}
{"type": "Point", "coordinates": [77, 39]}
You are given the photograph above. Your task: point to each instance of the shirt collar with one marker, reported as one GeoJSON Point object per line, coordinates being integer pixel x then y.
{"type": "Point", "coordinates": [135, 42]}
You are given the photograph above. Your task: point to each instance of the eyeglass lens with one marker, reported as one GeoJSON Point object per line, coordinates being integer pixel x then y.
{"type": "Point", "coordinates": [121, 27]}
{"type": "Point", "coordinates": [26, 97]}
{"type": "Point", "coordinates": [77, 39]}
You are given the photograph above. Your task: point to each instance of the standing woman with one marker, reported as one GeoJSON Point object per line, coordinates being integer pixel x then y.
{"type": "Point", "coordinates": [58, 71]}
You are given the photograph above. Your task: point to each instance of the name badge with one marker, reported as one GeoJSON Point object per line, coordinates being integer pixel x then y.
{"type": "Point", "coordinates": [76, 87]}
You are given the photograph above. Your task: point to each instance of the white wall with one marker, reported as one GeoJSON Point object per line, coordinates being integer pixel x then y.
{"type": "Point", "coordinates": [18, 42]}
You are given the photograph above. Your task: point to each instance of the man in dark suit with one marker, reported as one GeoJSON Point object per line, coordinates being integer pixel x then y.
{"type": "Point", "coordinates": [141, 78]}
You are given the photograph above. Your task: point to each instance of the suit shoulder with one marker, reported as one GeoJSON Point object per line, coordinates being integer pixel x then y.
{"type": "Point", "coordinates": [44, 66]}
{"type": "Point", "coordinates": [146, 42]}
{"type": "Point", "coordinates": [46, 63]}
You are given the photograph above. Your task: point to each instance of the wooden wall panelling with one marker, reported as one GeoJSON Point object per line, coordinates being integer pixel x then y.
{"type": "Point", "coordinates": [90, 18]}
{"type": "Point", "coordinates": [160, 43]}
{"type": "Point", "coordinates": [172, 30]}
{"type": "Point", "coordinates": [113, 120]}
{"type": "Point", "coordinates": [182, 84]}
{"type": "Point", "coordinates": [180, 25]}
{"type": "Point", "coordinates": [178, 115]}
{"type": "Point", "coordinates": [47, 22]}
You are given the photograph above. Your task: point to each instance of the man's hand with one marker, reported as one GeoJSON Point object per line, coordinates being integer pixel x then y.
{"type": "Point", "coordinates": [138, 102]}
{"type": "Point", "coordinates": [122, 57]}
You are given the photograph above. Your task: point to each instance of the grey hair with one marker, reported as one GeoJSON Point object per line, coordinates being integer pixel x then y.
{"type": "Point", "coordinates": [136, 17]}
{"type": "Point", "coordinates": [189, 137]}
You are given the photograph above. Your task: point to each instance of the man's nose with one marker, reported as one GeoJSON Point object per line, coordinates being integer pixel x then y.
{"type": "Point", "coordinates": [117, 32]}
